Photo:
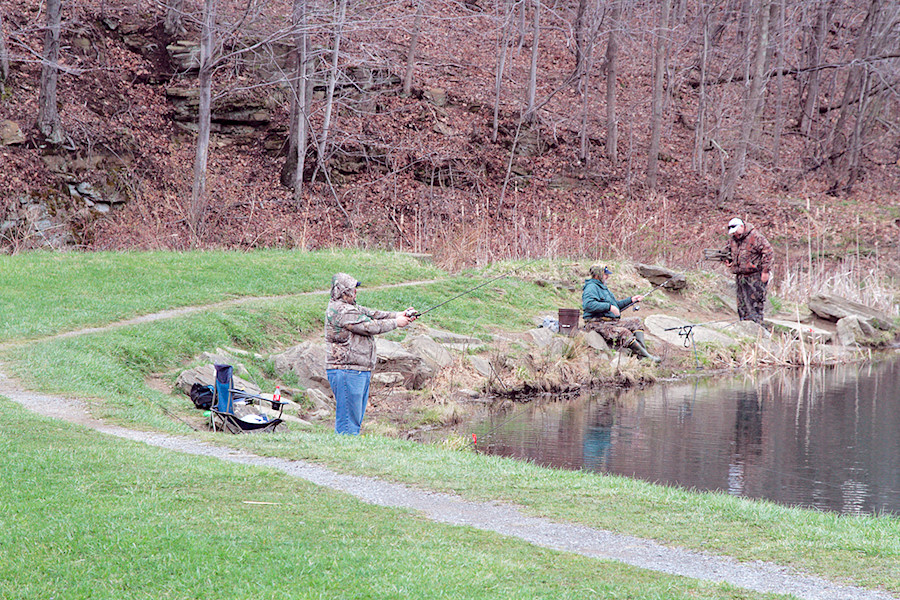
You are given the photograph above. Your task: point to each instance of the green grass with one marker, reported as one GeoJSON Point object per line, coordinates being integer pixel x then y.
{"type": "Point", "coordinates": [85, 515]}
{"type": "Point", "coordinates": [110, 368]}
{"type": "Point", "coordinates": [44, 293]}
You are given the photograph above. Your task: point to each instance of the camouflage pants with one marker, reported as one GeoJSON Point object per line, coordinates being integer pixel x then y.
{"type": "Point", "coordinates": [618, 333]}
{"type": "Point", "coordinates": [751, 297]}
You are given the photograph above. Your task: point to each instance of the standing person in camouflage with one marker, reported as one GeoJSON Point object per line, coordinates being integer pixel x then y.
{"type": "Point", "coordinates": [603, 314]}
{"type": "Point", "coordinates": [751, 262]}
{"type": "Point", "coordinates": [349, 332]}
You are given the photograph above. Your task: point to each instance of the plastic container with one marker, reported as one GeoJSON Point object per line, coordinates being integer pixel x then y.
{"type": "Point", "coordinates": [569, 319]}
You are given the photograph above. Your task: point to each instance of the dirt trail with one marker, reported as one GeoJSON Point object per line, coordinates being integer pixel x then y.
{"type": "Point", "coordinates": [446, 508]}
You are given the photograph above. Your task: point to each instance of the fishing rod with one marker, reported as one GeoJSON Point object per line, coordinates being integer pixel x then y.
{"type": "Point", "coordinates": [417, 314]}
{"type": "Point", "coordinates": [637, 305]}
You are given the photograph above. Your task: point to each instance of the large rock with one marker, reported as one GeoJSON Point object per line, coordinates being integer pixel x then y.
{"type": "Point", "coordinates": [435, 354]}
{"type": "Point", "coordinates": [853, 330]}
{"type": "Point", "coordinates": [392, 357]}
{"type": "Point", "coordinates": [320, 400]}
{"type": "Point", "coordinates": [549, 342]}
{"type": "Point", "coordinates": [11, 133]}
{"type": "Point", "coordinates": [235, 114]}
{"type": "Point", "coordinates": [307, 362]}
{"type": "Point", "coordinates": [596, 341]}
{"type": "Point", "coordinates": [660, 275]}
{"type": "Point", "coordinates": [674, 331]}
{"type": "Point", "coordinates": [833, 308]}
{"type": "Point", "coordinates": [184, 55]}
{"type": "Point", "coordinates": [446, 337]}
{"type": "Point", "coordinates": [804, 331]}
{"type": "Point", "coordinates": [482, 365]}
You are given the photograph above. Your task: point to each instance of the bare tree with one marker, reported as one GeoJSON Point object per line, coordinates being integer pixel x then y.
{"type": "Point", "coordinates": [881, 37]}
{"type": "Point", "coordinates": [581, 40]}
{"type": "Point", "coordinates": [532, 70]}
{"type": "Point", "coordinates": [4, 55]}
{"type": "Point", "coordinates": [814, 51]}
{"type": "Point", "coordinates": [300, 97]}
{"type": "Point", "coordinates": [332, 82]}
{"type": "Point", "coordinates": [207, 65]}
{"type": "Point", "coordinates": [588, 20]}
{"type": "Point", "coordinates": [780, 38]}
{"type": "Point", "coordinates": [612, 57]}
{"type": "Point", "coordinates": [752, 99]}
{"type": "Point", "coordinates": [48, 121]}
{"type": "Point", "coordinates": [656, 110]}
{"type": "Point", "coordinates": [413, 41]}
{"type": "Point", "coordinates": [174, 23]}
{"type": "Point", "coordinates": [699, 162]}
{"type": "Point", "coordinates": [503, 44]}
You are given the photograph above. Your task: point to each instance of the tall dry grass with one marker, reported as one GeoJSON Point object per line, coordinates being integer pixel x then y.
{"type": "Point", "coordinates": [863, 281]}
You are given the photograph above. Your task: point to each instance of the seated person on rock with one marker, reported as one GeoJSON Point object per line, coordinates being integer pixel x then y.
{"type": "Point", "coordinates": [603, 314]}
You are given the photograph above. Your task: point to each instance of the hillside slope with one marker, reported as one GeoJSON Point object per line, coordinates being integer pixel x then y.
{"type": "Point", "coordinates": [420, 172]}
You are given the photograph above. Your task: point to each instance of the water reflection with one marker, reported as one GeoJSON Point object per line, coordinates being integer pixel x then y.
{"type": "Point", "coordinates": [824, 438]}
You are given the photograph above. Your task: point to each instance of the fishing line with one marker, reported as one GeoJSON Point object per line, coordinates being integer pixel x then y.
{"type": "Point", "coordinates": [418, 314]}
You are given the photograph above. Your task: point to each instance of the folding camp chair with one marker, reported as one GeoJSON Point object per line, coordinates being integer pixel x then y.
{"type": "Point", "coordinates": [231, 412]}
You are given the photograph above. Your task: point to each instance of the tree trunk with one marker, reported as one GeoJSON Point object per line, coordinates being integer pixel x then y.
{"type": "Point", "coordinates": [48, 122]}
{"type": "Point", "coordinates": [751, 104]}
{"type": "Point", "coordinates": [781, 49]}
{"type": "Point", "coordinates": [503, 48]}
{"type": "Point", "coordinates": [851, 89]}
{"type": "Point", "coordinates": [580, 40]}
{"type": "Point", "coordinates": [174, 24]}
{"type": "Point", "coordinates": [411, 53]}
{"type": "Point", "coordinates": [853, 152]}
{"type": "Point", "coordinates": [814, 51]}
{"type": "Point", "coordinates": [699, 160]}
{"type": "Point", "coordinates": [532, 71]}
{"type": "Point", "coordinates": [883, 41]}
{"type": "Point", "coordinates": [300, 127]}
{"type": "Point", "coordinates": [612, 57]}
{"type": "Point", "coordinates": [4, 55]}
{"type": "Point", "coordinates": [656, 110]}
{"type": "Point", "coordinates": [207, 64]}
{"type": "Point", "coordinates": [332, 81]}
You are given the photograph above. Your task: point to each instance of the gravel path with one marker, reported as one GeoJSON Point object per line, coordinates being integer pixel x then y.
{"type": "Point", "coordinates": [446, 508]}
{"type": "Point", "coordinates": [501, 518]}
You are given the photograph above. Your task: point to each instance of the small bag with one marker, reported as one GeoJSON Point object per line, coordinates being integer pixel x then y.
{"type": "Point", "coordinates": [202, 395]}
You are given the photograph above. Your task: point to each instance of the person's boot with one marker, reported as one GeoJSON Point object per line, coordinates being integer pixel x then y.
{"type": "Point", "coordinates": [639, 336]}
{"type": "Point", "coordinates": [638, 348]}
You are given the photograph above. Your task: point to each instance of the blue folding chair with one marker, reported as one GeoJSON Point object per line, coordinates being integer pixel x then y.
{"type": "Point", "coordinates": [226, 398]}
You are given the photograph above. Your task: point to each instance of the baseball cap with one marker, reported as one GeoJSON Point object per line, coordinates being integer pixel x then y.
{"type": "Point", "coordinates": [598, 270]}
{"type": "Point", "coordinates": [734, 224]}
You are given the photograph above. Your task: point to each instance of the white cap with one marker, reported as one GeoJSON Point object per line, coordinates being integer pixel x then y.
{"type": "Point", "coordinates": [734, 224]}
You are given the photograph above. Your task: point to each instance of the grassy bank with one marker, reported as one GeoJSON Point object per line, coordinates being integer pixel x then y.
{"type": "Point", "coordinates": [111, 368]}
{"type": "Point", "coordinates": [89, 516]}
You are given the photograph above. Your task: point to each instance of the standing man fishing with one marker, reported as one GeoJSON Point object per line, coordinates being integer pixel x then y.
{"type": "Point", "coordinates": [349, 332]}
{"type": "Point", "coordinates": [751, 262]}
{"type": "Point", "coordinates": [603, 314]}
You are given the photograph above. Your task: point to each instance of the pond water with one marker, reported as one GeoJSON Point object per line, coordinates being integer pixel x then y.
{"type": "Point", "coordinates": [825, 438]}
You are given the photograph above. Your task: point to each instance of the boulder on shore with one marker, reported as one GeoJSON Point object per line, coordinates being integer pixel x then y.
{"type": "Point", "coordinates": [660, 275]}
{"type": "Point", "coordinates": [834, 308]}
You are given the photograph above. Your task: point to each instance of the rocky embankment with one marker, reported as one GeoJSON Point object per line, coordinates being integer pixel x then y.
{"type": "Point", "coordinates": [427, 366]}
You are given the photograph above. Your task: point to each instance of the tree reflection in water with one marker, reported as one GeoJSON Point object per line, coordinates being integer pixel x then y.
{"type": "Point", "coordinates": [825, 438]}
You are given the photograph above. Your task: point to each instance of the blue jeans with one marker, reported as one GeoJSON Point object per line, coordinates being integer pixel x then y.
{"type": "Point", "coordinates": [351, 391]}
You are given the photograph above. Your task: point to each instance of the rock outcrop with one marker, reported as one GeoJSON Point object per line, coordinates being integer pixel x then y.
{"type": "Point", "coordinates": [834, 308]}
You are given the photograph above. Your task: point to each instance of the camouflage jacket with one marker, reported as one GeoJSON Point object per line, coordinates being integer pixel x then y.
{"type": "Point", "coordinates": [350, 328]}
{"type": "Point", "coordinates": [751, 253]}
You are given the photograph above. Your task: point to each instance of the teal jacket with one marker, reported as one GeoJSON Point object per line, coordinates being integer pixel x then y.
{"type": "Point", "coordinates": [596, 300]}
